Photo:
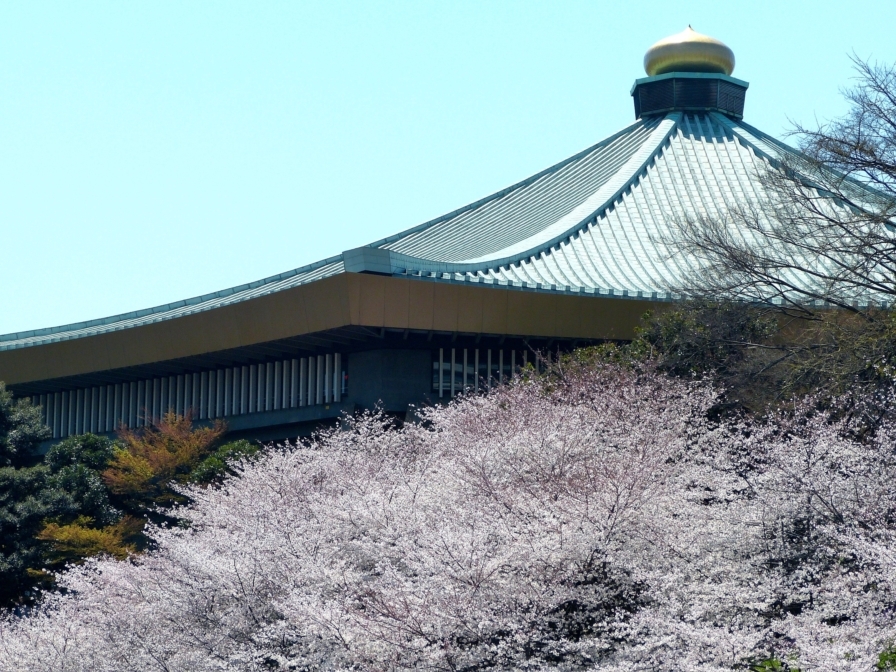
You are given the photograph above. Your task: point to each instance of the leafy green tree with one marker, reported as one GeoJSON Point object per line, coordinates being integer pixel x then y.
{"type": "Point", "coordinates": [87, 450]}
{"type": "Point", "coordinates": [81, 538]}
{"type": "Point", "coordinates": [135, 474]}
{"type": "Point", "coordinates": [735, 344]}
{"type": "Point", "coordinates": [24, 498]}
{"type": "Point", "coordinates": [772, 665]}
{"type": "Point", "coordinates": [91, 495]}
{"type": "Point", "coordinates": [88, 524]}
{"type": "Point", "coordinates": [25, 502]}
{"type": "Point", "coordinates": [887, 659]}
{"type": "Point", "coordinates": [45, 506]}
{"type": "Point", "coordinates": [75, 465]}
{"type": "Point", "coordinates": [701, 337]}
{"type": "Point", "coordinates": [218, 464]}
{"type": "Point", "coordinates": [762, 358]}
{"type": "Point", "coordinates": [21, 429]}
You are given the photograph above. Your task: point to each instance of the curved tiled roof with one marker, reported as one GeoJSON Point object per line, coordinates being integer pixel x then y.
{"type": "Point", "coordinates": [591, 223]}
{"type": "Point", "coordinates": [526, 209]}
{"type": "Point", "coordinates": [275, 283]}
{"type": "Point", "coordinates": [703, 166]}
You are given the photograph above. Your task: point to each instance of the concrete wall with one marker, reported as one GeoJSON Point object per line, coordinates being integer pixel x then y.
{"type": "Point", "coordinates": [395, 377]}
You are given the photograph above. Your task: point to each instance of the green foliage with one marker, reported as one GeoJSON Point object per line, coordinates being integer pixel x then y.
{"type": "Point", "coordinates": [734, 343]}
{"type": "Point", "coordinates": [75, 464]}
{"type": "Point", "coordinates": [772, 665]}
{"type": "Point", "coordinates": [21, 429]}
{"type": "Point", "coordinates": [91, 495]}
{"type": "Point", "coordinates": [700, 337]}
{"type": "Point", "coordinates": [887, 659]}
{"type": "Point", "coordinates": [88, 450]}
{"type": "Point", "coordinates": [81, 539]}
{"type": "Point", "coordinates": [843, 352]}
{"type": "Point", "coordinates": [624, 355]}
{"type": "Point", "coordinates": [217, 465]}
{"type": "Point", "coordinates": [25, 502]}
{"type": "Point", "coordinates": [84, 491]}
{"type": "Point", "coordinates": [763, 357]}
{"type": "Point", "coordinates": [135, 474]}
{"type": "Point", "coordinates": [65, 488]}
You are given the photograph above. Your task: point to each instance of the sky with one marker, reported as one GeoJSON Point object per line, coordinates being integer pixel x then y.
{"type": "Point", "coordinates": [155, 151]}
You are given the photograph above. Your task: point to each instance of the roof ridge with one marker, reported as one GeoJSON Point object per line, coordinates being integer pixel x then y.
{"type": "Point", "coordinates": [567, 226]}
{"type": "Point", "coordinates": [509, 189]}
{"type": "Point", "coordinates": [753, 137]}
{"type": "Point", "coordinates": [112, 319]}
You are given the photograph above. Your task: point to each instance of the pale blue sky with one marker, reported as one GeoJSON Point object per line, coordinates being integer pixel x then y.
{"type": "Point", "coordinates": [154, 151]}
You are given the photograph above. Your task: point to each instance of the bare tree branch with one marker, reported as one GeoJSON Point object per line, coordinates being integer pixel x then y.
{"type": "Point", "coordinates": [822, 235]}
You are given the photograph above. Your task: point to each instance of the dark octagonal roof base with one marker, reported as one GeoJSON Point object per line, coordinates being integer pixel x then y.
{"type": "Point", "coordinates": [691, 92]}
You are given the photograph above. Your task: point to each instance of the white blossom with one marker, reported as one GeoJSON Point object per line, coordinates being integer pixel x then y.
{"type": "Point", "coordinates": [599, 521]}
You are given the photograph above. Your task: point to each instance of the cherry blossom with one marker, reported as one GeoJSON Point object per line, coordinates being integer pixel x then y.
{"type": "Point", "coordinates": [601, 518]}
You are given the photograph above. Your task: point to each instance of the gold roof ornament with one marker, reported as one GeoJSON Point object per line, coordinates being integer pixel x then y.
{"type": "Point", "coordinates": [688, 51]}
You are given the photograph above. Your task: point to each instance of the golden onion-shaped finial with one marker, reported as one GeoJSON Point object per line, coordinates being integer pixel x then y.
{"type": "Point", "coordinates": [688, 51]}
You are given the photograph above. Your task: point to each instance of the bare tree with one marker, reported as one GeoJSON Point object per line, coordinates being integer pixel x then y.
{"type": "Point", "coordinates": [822, 235]}
{"type": "Point", "coordinates": [819, 246]}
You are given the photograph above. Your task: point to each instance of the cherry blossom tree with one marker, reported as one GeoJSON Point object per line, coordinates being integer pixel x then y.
{"type": "Point", "coordinates": [594, 519]}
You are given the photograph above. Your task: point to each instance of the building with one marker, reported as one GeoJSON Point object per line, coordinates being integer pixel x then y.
{"type": "Point", "coordinates": [565, 257]}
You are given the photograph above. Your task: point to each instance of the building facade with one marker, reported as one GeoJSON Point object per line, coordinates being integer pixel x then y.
{"type": "Point", "coordinates": [569, 256]}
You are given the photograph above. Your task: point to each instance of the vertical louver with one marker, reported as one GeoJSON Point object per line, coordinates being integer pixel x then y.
{"type": "Point", "coordinates": [208, 395]}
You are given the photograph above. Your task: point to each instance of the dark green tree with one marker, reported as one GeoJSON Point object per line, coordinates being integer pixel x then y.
{"type": "Point", "coordinates": [75, 465]}
{"type": "Point", "coordinates": [64, 488]}
{"type": "Point", "coordinates": [86, 523]}
{"type": "Point", "coordinates": [88, 495]}
{"type": "Point", "coordinates": [21, 429]}
{"type": "Point", "coordinates": [219, 464]}
{"type": "Point", "coordinates": [24, 500]}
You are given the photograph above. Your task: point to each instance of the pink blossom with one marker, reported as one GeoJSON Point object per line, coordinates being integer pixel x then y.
{"type": "Point", "coordinates": [597, 520]}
